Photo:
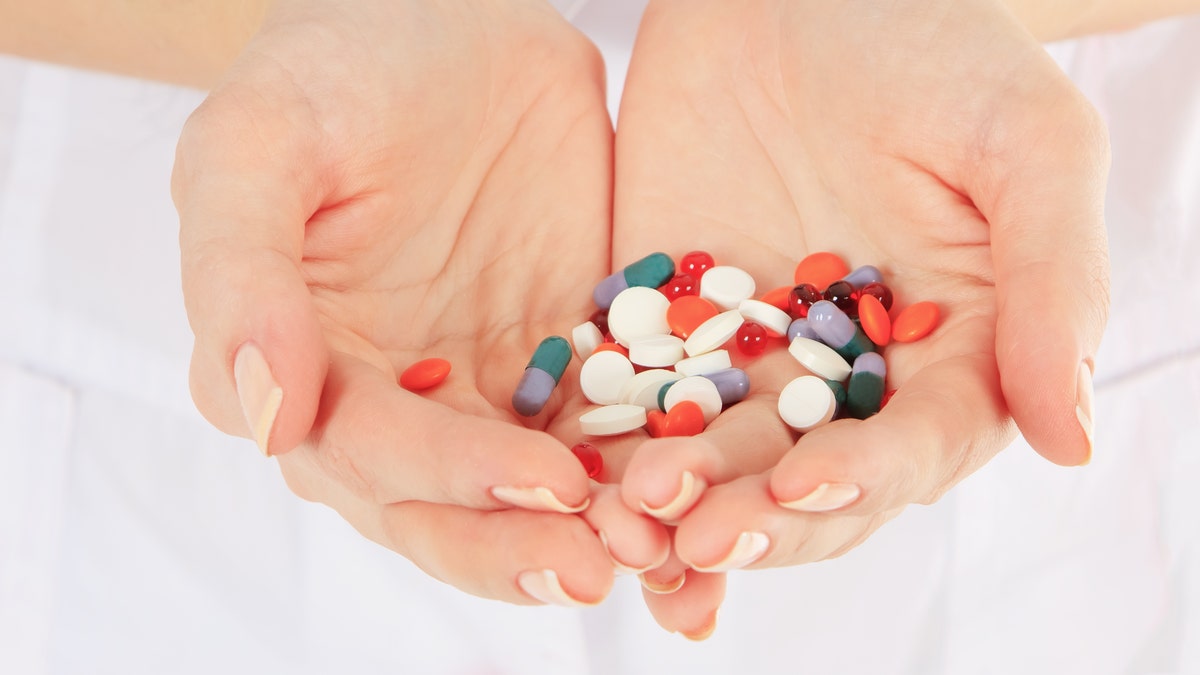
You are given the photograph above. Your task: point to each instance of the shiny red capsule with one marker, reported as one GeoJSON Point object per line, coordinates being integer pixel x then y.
{"type": "Point", "coordinates": [751, 339]}
{"type": "Point", "coordinates": [679, 286]}
{"type": "Point", "coordinates": [696, 264]}
{"type": "Point", "coordinates": [589, 456]}
{"type": "Point", "coordinates": [801, 298]}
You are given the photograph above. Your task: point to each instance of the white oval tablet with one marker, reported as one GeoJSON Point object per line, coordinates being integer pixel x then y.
{"type": "Point", "coordinates": [806, 403]}
{"type": "Point", "coordinates": [636, 313]}
{"type": "Point", "coordinates": [586, 337]}
{"type": "Point", "coordinates": [603, 375]}
{"type": "Point", "coordinates": [819, 359]}
{"type": "Point", "coordinates": [713, 333]}
{"type": "Point", "coordinates": [766, 315]}
{"type": "Point", "coordinates": [611, 420]}
{"type": "Point", "coordinates": [699, 389]}
{"type": "Point", "coordinates": [642, 389]}
{"type": "Point", "coordinates": [726, 286]}
{"type": "Point", "coordinates": [706, 363]}
{"type": "Point", "coordinates": [657, 351]}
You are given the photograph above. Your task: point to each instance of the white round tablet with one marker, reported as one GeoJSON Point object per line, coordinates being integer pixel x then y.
{"type": "Point", "coordinates": [819, 359]}
{"type": "Point", "coordinates": [603, 375]}
{"type": "Point", "coordinates": [704, 364]}
{"type": "Point", "coordinates": [699, 389]}
{"type": "Point", "coordinates": [713, 333]}
{"type": "Point", "coordinates": [806, 403]}
{"type": "Point", "coordinates": [657, 351]}
{"type": "Point", "coordinates": [766, 315]}
{"type": "Point", "coordinates": [586, 337]}
{"type": "Point", "coordinates": [726, 286]}
{"type": "Point", "coordinates": [642, 389]}
{"type": "Point", "coordinates": [611, 420]}
{"type": "Point", "coordinates": [636, 313]}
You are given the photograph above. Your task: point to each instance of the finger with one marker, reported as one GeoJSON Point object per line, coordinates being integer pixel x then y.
{"type": "Point", "coordinates": [635, 542]}
{"type": "Point", "coordinates": [740, 526]}
{"type": "Point", "coordinates": [259, 357]}
{"type": "Point", "coordinates": [516, 556]}
{"type": "Point", "coordinates": [1042, 189]}
{"type": "Point", "coordinates": [943, 422]}
{"type": "Point", "coordinates": [667, 578]}
{"type": "Point", "coordinates": [392, 445]}
{"type": "Point", "coordinates": [692, 610]}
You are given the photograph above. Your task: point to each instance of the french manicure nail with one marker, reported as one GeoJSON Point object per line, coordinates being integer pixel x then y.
{"type": "Point", "coordinates": [258, 392]}
{"type": "Point", "coordinates": [675, 508]}
{"type": "Point", "coordinates": [663, 589]}
{"type": "Point", "coordinates": [826, 497]}
{"type": "Point", "coordinates": [543, 585]}
{"type": "Point", "coordinates": [1084, 410]}
{"type": "Point", "coordinates": [704, 632]}
{"type": "Point", "coordinates": [750, 546]}
{"type": "Point", "coordinates": [535, 499]}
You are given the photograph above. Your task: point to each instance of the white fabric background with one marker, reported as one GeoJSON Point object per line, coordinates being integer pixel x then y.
{"type": "Point", "coordinates": [136, 539]}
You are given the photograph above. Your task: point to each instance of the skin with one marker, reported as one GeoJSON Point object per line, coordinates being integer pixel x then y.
{"type": "Point", "coordinates": [980, 188]}
{"type": "Point", "coordinates": [368, 188]}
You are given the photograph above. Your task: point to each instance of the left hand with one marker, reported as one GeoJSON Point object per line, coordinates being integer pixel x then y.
{"type": "Point", "coordinates": [935, 140]}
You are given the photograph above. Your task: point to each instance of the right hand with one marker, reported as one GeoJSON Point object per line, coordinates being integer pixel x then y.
{"type": "Point", "coordinates": [376, 182]}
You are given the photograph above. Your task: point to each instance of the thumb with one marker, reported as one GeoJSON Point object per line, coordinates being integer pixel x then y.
{"type": "Point", "coordinates": [243, 196]}
{"type": "Point", "coordinates": [1045, 203]}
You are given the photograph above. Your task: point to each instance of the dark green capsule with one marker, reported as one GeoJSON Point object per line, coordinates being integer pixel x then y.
{"type": "Point", "coordinates": [552, 355]}
{"type": "Point", "coordinates": [652, 271]}
{"type": "Point", "coordinates": [839, 395]}
{"type": "Point", "coordinates": [866, 386]}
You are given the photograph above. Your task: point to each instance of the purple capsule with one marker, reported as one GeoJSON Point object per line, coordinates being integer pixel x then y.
{"type": "Point", "coordinates": [836, 329]}
{"type": "Point", "coordinates": [608, 289]}
{"type": "Point", "coordinates": [732, 384]}
{"type": "Point", "coordinates": [801, 328]}
{"type": "Point", "coordinates": [533, 391]}
{"type": "Point", "coordinates": [867, 274]}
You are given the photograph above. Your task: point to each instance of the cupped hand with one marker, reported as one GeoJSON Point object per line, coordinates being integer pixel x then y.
{"type": "Point", "coordinates": [378, 182]}
{"type": "Point", "coordinates": [934, 140]}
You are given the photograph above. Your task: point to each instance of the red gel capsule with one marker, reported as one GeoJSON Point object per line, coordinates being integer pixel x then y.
{"type": "Point", "coordinates": [589, 456]}
{"type": "Point", "coordinates": [679, 286]}
{"type": "Point", "coordinates": [751, 339]}
{"type": "Point", "coordinates": [696, 264]}
{"type": "Point", "coordinates": [843, 295]}
{"type": "Point", "coordinates": [600, 318]}
{"type": "Point", "coordinates": [801, 298]}
{"type": "Point", "coordinates": [424, 374]}
{"type": "Point", "coordinates": [881, 292]}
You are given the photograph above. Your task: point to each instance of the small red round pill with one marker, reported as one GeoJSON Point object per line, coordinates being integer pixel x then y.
{"type": "Point", "coordinates": [589, 456]}
{"type": "Point", "coordinates": [751, 339]}
{"type": "Point", "coordinates": [821, 269]}
{"type": "Point", "coordinates": [679, 286]}
{"type": "Point", "coordinates": [696, 263]}
{"type": "Point", "coordinates": [874, 319]}
{"type": "Point", "coordinates": [425, 374]}
{"type": "Point", "coordinates": [915, 322]}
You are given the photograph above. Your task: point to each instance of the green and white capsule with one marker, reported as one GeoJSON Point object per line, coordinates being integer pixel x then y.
{"type": "Point", "coordinates": [652, 271]}
{"type": "Point", "coordinates": [866, 389]}
{"type": "Point", "coordinates": [542, 374]}
{"type": "Point", "coordinates": [838, 331]}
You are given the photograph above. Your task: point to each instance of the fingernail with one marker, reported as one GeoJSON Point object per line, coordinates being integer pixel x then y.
{"type": "Point", "coordinates": [681, 503]}
{"type": "Point", "coordinates": [1084, 393]}
{"type": "Point", "coordinates": [620, 567]}
{"type": "Point", "coordinates": [750, 546]}
{"type": "Point", "coordinates": [663, 589]}
{"type": "Point", "coordinates": [827, 497]}
{"type": "Point", "coordinates": [543, 585]}
{"type": "Point", "coordinates": [535, 499]}
{"type": "Point", "coordinates": [706, 631]}
{"type": "Point", "coordinates": [258, 392]}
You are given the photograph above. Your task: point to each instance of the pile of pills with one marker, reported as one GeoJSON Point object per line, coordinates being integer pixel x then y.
{"type": "Point", "coordinates": [656, 351]}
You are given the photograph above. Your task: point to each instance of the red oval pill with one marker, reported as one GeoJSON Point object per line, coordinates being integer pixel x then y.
{"type": "Point", "coordinates": [685, 418]}
{"type": "Point", "coordinates": [655, 421]}
{"type": "Point", "coordinates": [425, 374]}
{"type": "Point", "coordinates": [874, 319]}
{"type": "Point", "coordinates": [821, 269]}
{"type": "Point", "coordinates": [687, 312]}
{"type": "Point", "coordinates": [915, 322]}
{"type": "Point", "coordinates": [777, 297]}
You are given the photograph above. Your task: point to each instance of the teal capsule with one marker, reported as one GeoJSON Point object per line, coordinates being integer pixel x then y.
{"type": "Point", "coordinates": [662, 396]}
{"type": "Point", "coordinates": [866, 386]}
{"type": "Point", "coordinates": [839, 397]}
{"type": "Point", "coordinates": [652, 271]}
{"type": "Point", "coordinates": [552, 356]}
{"type": "Point", "coordinates": [838, 331]}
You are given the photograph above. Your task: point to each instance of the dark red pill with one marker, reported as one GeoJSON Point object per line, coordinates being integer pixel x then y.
{"type": "Point", "coordinates": [843, 295]}
{"type": "Point", "coordinates": [801, 298]}
{"type": "Point", "coordinates": [881, 292]}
